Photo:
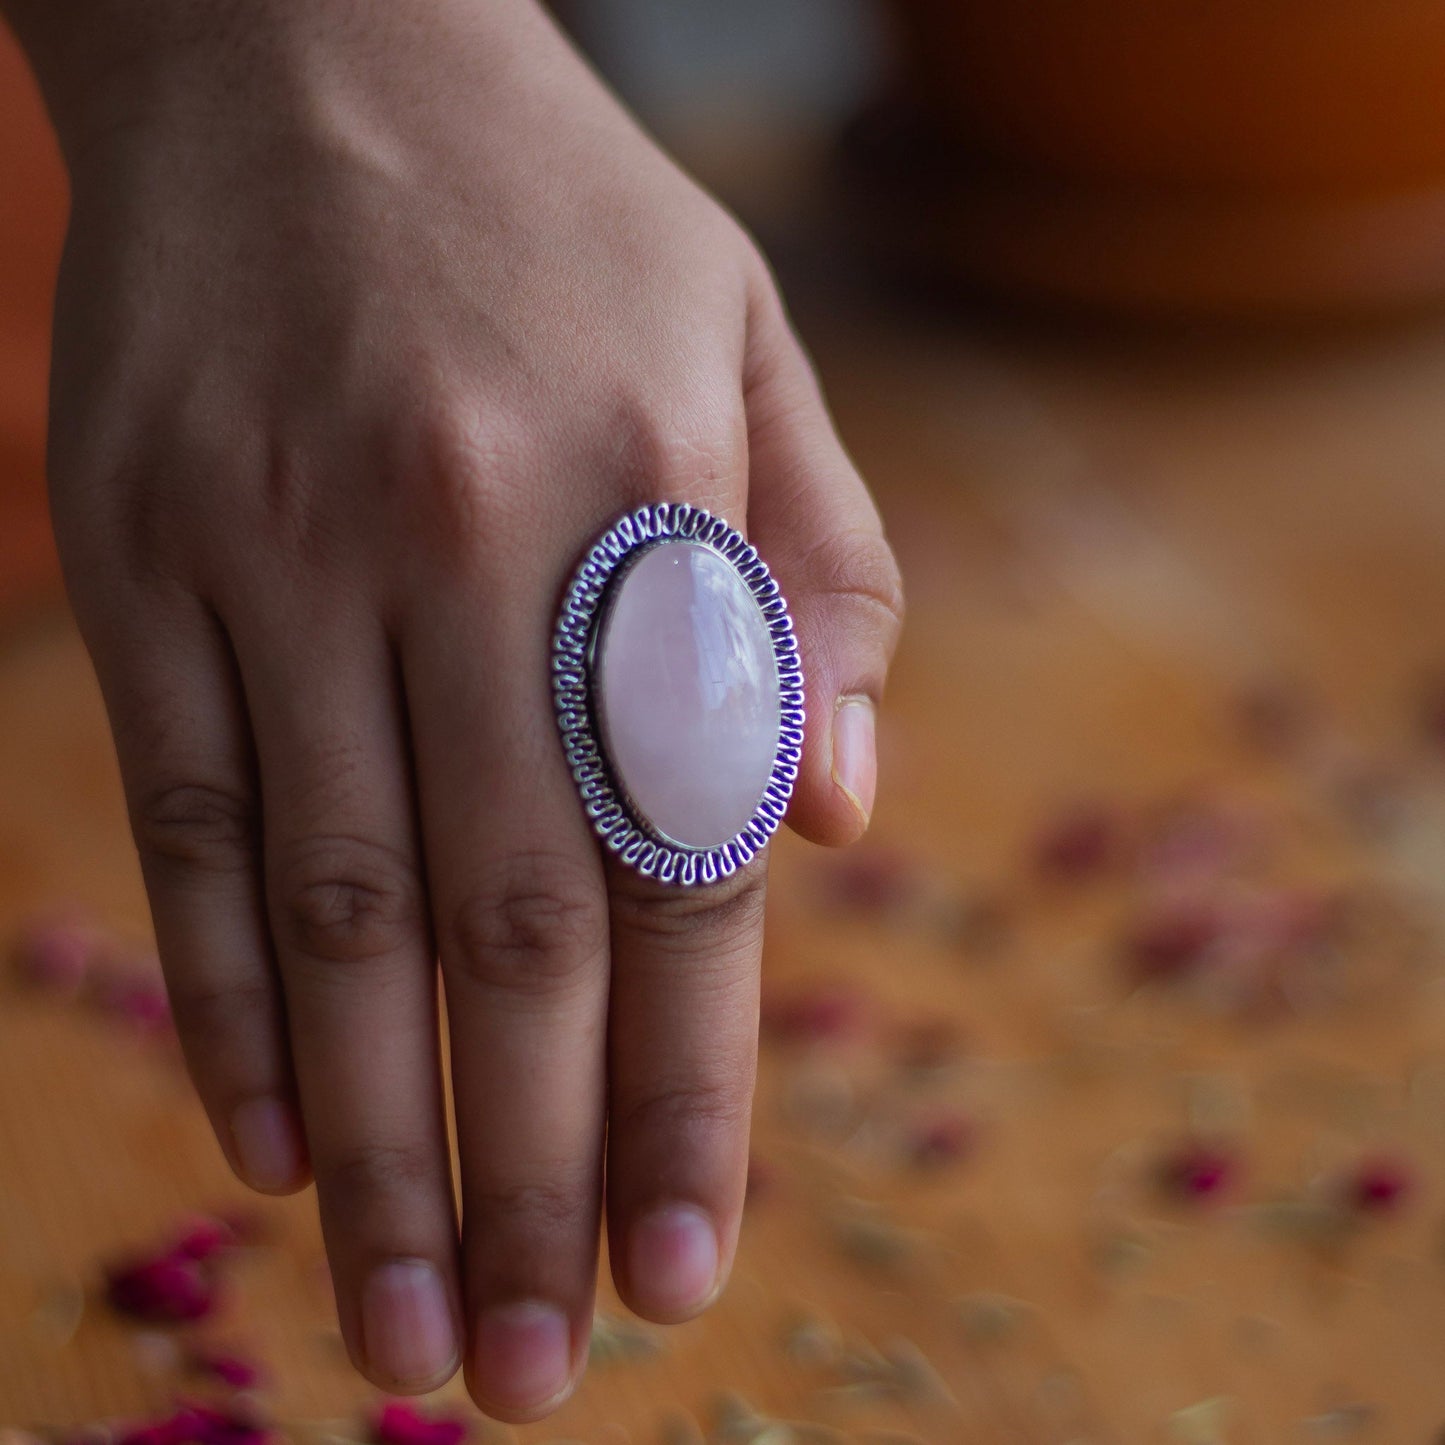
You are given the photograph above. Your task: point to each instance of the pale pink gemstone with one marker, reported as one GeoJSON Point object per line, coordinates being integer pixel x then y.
{"type": "Point", "coordinates": [687, 693]}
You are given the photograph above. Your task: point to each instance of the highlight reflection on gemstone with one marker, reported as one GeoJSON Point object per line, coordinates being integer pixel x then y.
{"type": "Point", "coordinates": [687, 693]}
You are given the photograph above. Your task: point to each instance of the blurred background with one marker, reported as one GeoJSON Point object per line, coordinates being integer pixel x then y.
{"type": "Point", "coordinates": [1103, 1087]}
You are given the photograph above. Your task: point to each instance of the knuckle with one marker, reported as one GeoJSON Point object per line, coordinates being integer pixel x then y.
{"type": "Point", "coordinates": [860, 565]}
{"type": "Point", "coordinates": [473, 459]}
{"type": "Point", "coordinates": [684, 449]}
{"type": "Point", "coordinates": [401, 1171]}
{"type": "Point", "coordinates": [348, 900]}
{"type": "Point", "coordinates": [534, 926]}
{"type": "Point", "coordinates": [196, 825]}
{"type": "Point", "coordinates": [209, 1014]}
{"type": "Point", "coordinates": [693, 1107]}
{"type": "Point", "coordinates": [693, 917]}
{"type": "Point", "coordinates": [539, 1210]}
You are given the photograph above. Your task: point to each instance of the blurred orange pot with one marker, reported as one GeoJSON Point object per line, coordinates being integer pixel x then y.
{"type": "Point", "coordinates": [1228, 155]}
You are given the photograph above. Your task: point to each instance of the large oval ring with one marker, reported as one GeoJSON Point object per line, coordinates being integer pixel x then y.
{"type": "Point", "coordinates": [679, 694]}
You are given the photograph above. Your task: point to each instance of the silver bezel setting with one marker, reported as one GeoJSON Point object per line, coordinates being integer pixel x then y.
{"type": "Point", "coordinates": [623, 828]}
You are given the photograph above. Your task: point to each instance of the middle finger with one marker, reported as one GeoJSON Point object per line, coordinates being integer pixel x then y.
{"type": "Point", "coordinates": [521, 917]}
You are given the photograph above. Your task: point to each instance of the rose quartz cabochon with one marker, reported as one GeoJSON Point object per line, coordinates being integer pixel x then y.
{"type": "Point", "coordinates": [687, 693]}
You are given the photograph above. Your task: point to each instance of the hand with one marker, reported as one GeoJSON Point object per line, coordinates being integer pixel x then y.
{"type": "Point", "coordinates": [371, 317]}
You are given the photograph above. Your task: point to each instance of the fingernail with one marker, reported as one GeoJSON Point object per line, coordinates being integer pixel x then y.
{"type": "Point", "coordinates": [855, 753]}
{"type": "Point", "coordinates": [523, 1355]}
{"type": "Point", "coordinates": [269, 1147]}
{"type": "Point", "coordinates": [406, 1322]}
{"type": "Point", "coordinates": [672, 1260]}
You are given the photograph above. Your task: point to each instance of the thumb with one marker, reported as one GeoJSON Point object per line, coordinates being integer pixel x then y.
{"type": "Point", "coordinates": [811, 516]}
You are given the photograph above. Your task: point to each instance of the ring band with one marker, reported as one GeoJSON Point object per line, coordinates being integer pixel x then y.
{"type": "Point", "coordinates": [679, 694]}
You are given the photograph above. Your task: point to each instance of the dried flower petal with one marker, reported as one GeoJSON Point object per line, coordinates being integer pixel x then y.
{"type": "Point", "coordinates": [1197, 1171]}
{"type": "Point", "coordinates": [872, 879]}
{"type": "Point", "coordinates": [1173, 939]}
{"type": "Point", "coordinates": [1081, 841]}
{"type": "Point", "coordinates": [194, 1424]}
{"type": "Point", "coordinates": [943, 1139]}
{"type": "Point", "coordinates": [56, 953]}
{"type": "Point", "coordinates": [230, 1369]}
{"type": "Point", "coordinates": [821, 1012]}
{"type": "Point", "coordinates": [166, 1290]}
{"type": "Point", "coordinates": [136, 1001]}
{"type": "Point", "coordinates": [399, 1423]}
{"type": "Point", "coordinates": [204, 1236]}
{"type": "Point", "coordinates": [1378, 1185]}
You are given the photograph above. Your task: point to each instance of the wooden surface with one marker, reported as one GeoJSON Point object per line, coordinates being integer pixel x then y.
{"type": "Point", "coordinates": [1103, 541]}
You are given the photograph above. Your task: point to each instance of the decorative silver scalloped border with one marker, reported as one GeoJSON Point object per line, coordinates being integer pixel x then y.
{"type": "Point", "coordinates": [620, 825]}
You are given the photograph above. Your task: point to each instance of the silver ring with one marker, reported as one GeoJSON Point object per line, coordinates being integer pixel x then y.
{"type": "Point", "coordinates": [608, 671]}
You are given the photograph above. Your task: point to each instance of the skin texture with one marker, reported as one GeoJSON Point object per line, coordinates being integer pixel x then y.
{"type": "Point", "coordinates": [371, 317]}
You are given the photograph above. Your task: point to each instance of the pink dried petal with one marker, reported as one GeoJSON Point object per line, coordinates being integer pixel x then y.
{"type": "Point", "coordinates": [1174, 938]}
{"type": "Point", "coordinates": [945, 1139]}
{"type": "Point", "coordinates": [140, 1003]}
{"type": "Point", "coordinates": [204, 1236]}
{"type": "Point", "coordinates": [229, 1369]}
{"type": "Point", "coordinates": [1081, 841]}
{"type": "Point", "coordinates": [1196, 840]}
{"type": "Point", "coordinates": [1198, 1171]}
{"type": "Point", "coordinates": [165, 1290]}
{"type": "Point", "coordinates": [821, 1012]}
{"type": "Point", "coordinates": [870, 879]}
{"type": "Point", "coordinates": [1378, 1186]}
{"type": "Point", "coordinates": [238, 1424]}
{"type": "Point", "coordinates": [399, 1423]}
{"type": "Point", "coordinates": [56, 954]}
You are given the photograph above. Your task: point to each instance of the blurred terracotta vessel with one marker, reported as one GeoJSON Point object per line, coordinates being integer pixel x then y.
{"type": "Point", "coordinates": [1235, 156]}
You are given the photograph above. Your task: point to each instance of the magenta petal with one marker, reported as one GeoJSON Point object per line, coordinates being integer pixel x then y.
{"type": "Point", "coordinates": [1082, 841]}
{"type": "Point", "coordinates": [230, 1370]}
{"type": "Point", "coordinates": [1379, 1185]}
{"type": "Point", "coordinates": [401, 1424]}
{"type": "Point", "coordinates": [1198, 1171]}
{"type": "Point", "coordinates": [203, 1237]}
{"type": "Point", "coordinates": [167, 1290]}
{"type": "Point", "coordinates": [56, 954]}
{"type": "Point", "coordinates": [823, 1011]}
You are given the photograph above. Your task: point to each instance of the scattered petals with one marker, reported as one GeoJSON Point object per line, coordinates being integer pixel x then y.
{"type": "Point", "coordinates": [871, 879]}
{"type": "Point", "coordinates": [400, 1423]}
{"type": "Point", "coordinates": [824, 1012]}
{"type": "Point", "coordinates": [203, 1237]}
{"type": "Point", "coordinates": [56, 953]}
{"type": "Point", "coordinates": [139, 1002]}
{"type": "Point", "coordinates": [1082, 841]}
{"type": "Point", "coordinates": [229, 1369]}
{"type": "Point", "coordinates": [1198, 1171]}
{"type": "Point", "coordinates": [193, 1424]}
{"type": "Point", "coordinates": [1174, 938]}
{"type": "Point", "coordinates": [1378, 1186]}
{"type": "Point", "coordinates": [941, 1140]}
{"type": "Point", "coordinates": [170, 1289]}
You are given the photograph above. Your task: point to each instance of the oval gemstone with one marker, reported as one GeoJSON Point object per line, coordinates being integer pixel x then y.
{"type": "Point", "coordinates": [687, 695]}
